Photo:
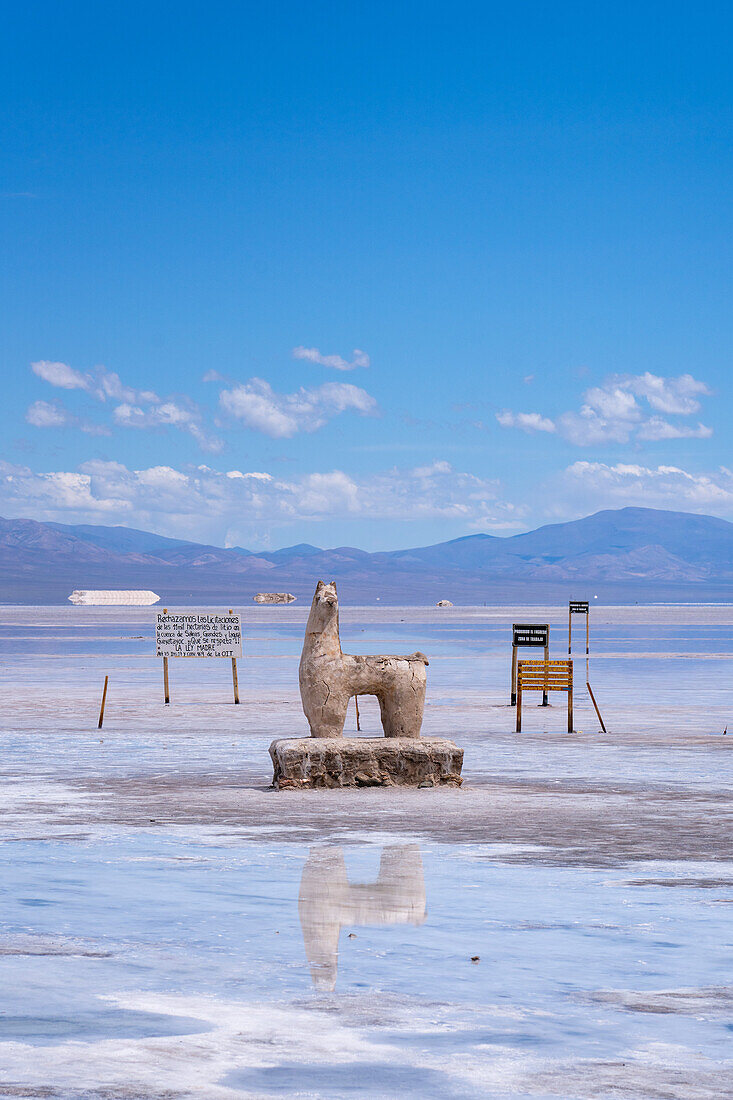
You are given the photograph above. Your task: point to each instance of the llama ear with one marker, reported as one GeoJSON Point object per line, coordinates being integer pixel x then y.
{"type": "Point", "coordinates": [319, 586]}
{"type": "Point", "coordinates": [332, 583]}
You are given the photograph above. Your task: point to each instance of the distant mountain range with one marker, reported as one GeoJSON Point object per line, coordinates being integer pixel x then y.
{"type": "Point", "coordinates": [633, 554]}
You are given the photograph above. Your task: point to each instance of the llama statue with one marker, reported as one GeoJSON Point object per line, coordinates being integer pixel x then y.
{"type": "Point", "coordinates": [328, 677]}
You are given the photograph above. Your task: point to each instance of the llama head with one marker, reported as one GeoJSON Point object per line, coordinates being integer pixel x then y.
{"type": "Point", "coordinates": [325, 604]}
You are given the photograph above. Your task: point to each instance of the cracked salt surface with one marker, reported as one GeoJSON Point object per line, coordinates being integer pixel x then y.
{"type": "Point", "coordinates": [160, 937]}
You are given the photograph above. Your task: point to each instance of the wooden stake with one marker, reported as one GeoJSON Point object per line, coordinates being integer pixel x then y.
{"type": "Point", "coordinates": [519, 709]}
{"type": "Point", "coordinates": [570, 631]}
{"type": "Point", "coordinates": [356, 704]}
{"type": "Point", "coordinates": [570, 701]}
{"type": "Point", "coordinates": [514, 676]}
{"type": "Point", "coordinates": [166, 691]}
{"type": "Point", "coordinates": [545, 703]}
{"type": "Point", "coordinates": [104, 700]}
{"type": "Point", "coordinates": [235, 680]}
{"type": "Point", "coordinates": [587, 632]}
{"type": "Point", "coordinates": [595, 704]}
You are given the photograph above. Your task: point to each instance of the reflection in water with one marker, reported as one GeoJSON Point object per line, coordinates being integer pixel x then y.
{"type": "Point", "coordinates": [327, 901]}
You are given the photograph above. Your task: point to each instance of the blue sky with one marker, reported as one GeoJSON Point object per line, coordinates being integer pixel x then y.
{"type": "Point", "coordinates": [365, 274]}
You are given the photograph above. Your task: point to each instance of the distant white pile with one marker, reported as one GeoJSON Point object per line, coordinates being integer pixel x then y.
{"type": "Point", "coordinates": [274, 597]}
{"type": "Point", "coordinates": [134, 598]}
{"type": "Point", "coordinates": [444, 603]}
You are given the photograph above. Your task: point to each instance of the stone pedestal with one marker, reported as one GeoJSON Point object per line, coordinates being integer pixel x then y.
{"type": "Point", "coordinates": [302, 763]}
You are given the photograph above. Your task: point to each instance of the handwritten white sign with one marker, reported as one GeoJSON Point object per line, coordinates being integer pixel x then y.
{"type": "Point", "coordinates": [198, 634]}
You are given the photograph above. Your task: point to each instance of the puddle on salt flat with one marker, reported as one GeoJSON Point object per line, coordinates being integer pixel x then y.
{"type": "Point", "coordinates": [352, 1079]}
{"type": "Point", "coordinates": [379, 940]}
{"type": "Point", "coordinates": [92, 1025]}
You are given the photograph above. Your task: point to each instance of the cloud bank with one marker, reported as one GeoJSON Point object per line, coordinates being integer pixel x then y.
{"type": "Point", "coordinates": [192, 500]}
{"type": "Point", "coordinates": [623, 408]}
{"type": "Point", "coordinates": [594, 485]}
{"type": "Point", "coordinates": [253, 404]}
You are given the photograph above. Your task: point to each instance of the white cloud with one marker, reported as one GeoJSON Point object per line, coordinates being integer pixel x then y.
{"type": "Point", "coordinates": [110, 386]}
{"type": "Point", "coordinates": [669, 395]}
{"type": "Point", "coordinates": [587, 428]}
{"type": "Point", "coordinates": [657, 428]}
{"type": "Point", "coordinates": [197, 501]}
{"type": "Point", "coordinates": [61, 375]}
{"type": "Point", "coordinates": [438, 467]}
{"type": "Point", "coordinates": [610, 413]}
{"type": "Point", "coordinates": [44, 414]}
{"type": "Point", "coordinates": [168, 414]}
{"type": "Point", "coordinates": [313, 355]}
{"type": "Point", "coordinates": [255, 475]}
{"type": "Point", "coordinates": [528, 422]}
{"type": "Point", "coordinates": [611, 403]}
{"type": "Point", "coordinates": [52, 414]}
{"type": "Point", "coordinates": [594, 485]}
{"type": "Point", "coordinates": [100, 383]}
{"type": "Point", "coordinates": [283, 415]}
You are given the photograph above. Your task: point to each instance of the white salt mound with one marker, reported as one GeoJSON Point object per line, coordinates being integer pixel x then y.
{"type": "Point", "coordinates": [133, 598]}
{"type": "Point", "coordinates": [274, 597]}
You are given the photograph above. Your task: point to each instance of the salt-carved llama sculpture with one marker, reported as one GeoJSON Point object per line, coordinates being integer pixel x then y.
{"type": "Point", "coordinates": [328, 902]}
{"type": "Point", "coordinates": [328, 677]}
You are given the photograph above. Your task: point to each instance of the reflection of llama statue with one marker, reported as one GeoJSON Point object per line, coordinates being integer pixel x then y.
{"type": "Point", "coordinates": [328, 901]}
{"type": "Point", "coordinates": [328, 677]}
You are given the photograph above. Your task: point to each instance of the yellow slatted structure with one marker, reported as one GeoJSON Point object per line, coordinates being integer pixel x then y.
{"type": "Point", "coordinates": [556, 675]}
{"type": "Point", "coordinates": [545, 676]}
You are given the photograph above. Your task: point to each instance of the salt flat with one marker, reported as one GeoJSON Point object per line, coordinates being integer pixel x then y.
{"type": "Point", "coordinates": [152, 943]}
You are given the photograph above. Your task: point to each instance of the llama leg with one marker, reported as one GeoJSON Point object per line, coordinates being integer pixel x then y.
{"type": "Point", "coordinates": [401, 705]}
{"type": "Point", "coordinates": [324, 698]}
{"type": "Point", "coordinates": [327, 720]}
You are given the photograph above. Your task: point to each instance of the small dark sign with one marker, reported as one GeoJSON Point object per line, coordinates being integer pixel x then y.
{"type": "Point", "coordinates": [535, 634]}
{"type": "Point", "coordinates": [578, 607]}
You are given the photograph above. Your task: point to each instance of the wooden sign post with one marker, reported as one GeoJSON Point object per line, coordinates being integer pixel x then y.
{"type": "Point", "coordinates": [582, 607]}
{"type": "Point", "coordinates": [528, 634]}
{"type": "Point", "coordinates": [545, 676]}
{"type": "Point", "coordinates": [578, 607]}
{"type": "Point", "coordinates": [198, 634]}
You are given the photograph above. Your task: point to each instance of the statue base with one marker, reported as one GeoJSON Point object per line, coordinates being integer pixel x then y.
{"type": "Point", "coordinates": [306, 763]}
